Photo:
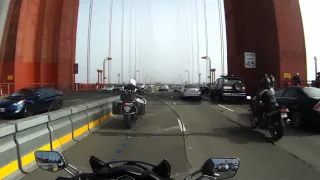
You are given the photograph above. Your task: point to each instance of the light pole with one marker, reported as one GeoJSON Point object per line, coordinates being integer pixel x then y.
{"type": "Point", "coordinates": [104, 69]}
{"type": "Point", "coordinates": [145, 79]}
{"type": "Point", "coordinates": [199, 78]}
{"type": "Point", "coordinates": [180, 77]}
{"type": "Point", "coordinates": [188, 75]}
{"type": "Point", "coordinates": [316, 65]}
{"type": "Point", "coordinates": [207, 58]}
{"type": "Point", "coordinates": [135, 77]}
{"type": "Point", "coordinates": [118, 78]}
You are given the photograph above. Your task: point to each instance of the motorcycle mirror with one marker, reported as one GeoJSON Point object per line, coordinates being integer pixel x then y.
{"type": "Point", "coordinates": [50, 160]}
{"type": "Point", "coordinates": [221, 168]}
{"type": "Point", "coordinates": [163, 169]}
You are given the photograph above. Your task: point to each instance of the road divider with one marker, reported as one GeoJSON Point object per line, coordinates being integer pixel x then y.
{"type": "Point", "coordinates": [57, 130]}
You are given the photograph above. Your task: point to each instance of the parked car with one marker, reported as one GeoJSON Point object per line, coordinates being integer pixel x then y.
{"type": "Point", "coordinates": [164, 87]}
{"type": "Point", "coordinates": [231, 87]}
{"type": "Point", "coordinates": [108, 88]}
{"type": "Point", "coordinates": [190, 90]}
{"type": "Point", "coordinates": [303, 104]}
{"type": "Point", "coordinates": [29, 101]}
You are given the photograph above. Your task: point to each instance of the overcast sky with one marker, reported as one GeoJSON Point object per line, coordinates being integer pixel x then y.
{"type": "Point", "coordinates": [164, 40]}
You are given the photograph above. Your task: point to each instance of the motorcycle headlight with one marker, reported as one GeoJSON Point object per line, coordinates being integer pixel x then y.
{"type": "Point", "coordinates": [18, 103]}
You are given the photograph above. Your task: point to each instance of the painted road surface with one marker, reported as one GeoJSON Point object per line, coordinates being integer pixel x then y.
{"type": "Point", "coordinates": [209, 131]}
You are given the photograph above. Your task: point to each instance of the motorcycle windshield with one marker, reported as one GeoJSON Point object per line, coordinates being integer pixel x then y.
{"type": "Point", "coordinates": [158, 134]}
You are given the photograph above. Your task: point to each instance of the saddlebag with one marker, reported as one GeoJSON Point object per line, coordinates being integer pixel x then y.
{"type": "Point", "coordinates": [117, 107]}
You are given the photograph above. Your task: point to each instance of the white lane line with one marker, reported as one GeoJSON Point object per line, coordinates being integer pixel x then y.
{"type": "Point", "coordinates": [225, 108]}
{"type": "Point", "coordinates": [181, 125]}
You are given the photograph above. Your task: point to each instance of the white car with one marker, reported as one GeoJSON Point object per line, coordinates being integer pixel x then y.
{"type": "Point", "coordinates": [108, 88]}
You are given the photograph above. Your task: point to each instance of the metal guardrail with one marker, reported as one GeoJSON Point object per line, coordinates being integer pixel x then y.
{"type": "Point", "coordinates": [56, 130]}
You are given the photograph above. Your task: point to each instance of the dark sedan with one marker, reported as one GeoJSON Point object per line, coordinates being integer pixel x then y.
{"type": "Point", "coordinates": [30, 101]}
{"type": "Point", "coordinates": [302, 103]}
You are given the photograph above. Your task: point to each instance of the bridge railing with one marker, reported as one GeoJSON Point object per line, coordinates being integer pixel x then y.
{"type": "Point", "coordinates": [9, 88]}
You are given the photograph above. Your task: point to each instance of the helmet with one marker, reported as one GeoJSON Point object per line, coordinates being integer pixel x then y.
{"type": "Point", "coordinates": [265, 82]}
{"type": "Point", "coordinates": [133, 82]}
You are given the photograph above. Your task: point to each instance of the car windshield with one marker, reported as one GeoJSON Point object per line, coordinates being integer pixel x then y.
{"type": "Point", "coordinates": [23, 92]}
{"type": "Point", "coordinates": [312, 92]}
{"type": "Point", "coordinates": [191, 86]}
{"type": "Point", "coordinates": [230, 82]}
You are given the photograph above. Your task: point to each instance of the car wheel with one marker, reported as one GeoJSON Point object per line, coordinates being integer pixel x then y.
{"type": "Point", "coordinates": [296, 120]}
{"type": "Point", "coordinates": [26, 111]}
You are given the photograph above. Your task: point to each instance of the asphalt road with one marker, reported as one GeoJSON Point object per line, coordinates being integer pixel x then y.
{"type": "Point", "coordinates": [79, 97]}
{"type": "Point", "coordinates": [211, 130]}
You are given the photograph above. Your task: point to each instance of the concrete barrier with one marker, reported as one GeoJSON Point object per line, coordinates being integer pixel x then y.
{"type": "Point", "coordinates": [56, 130]}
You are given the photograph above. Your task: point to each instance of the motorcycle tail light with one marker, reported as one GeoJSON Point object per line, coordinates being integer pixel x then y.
{"type": "Point", "coordinates": [284, 110]}
{"type": "Point", "coordinates": [126, 104]}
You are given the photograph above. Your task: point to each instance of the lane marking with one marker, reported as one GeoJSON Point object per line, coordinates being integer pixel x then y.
{"type": "Point", "coordinates": [226, 108]}
{"type": "Point", "coordinates": [181, 125]}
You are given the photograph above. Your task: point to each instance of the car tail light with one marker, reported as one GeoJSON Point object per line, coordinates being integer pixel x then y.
{"type": "Point", "coordinates": [244, 89]}
{"type": "Point", "coordinates": [127, 104]}
{"type": "Point", "coordinates": [61, 93]}
{"type": "Point", "coordinates": [317, 107]}
{"type": "Point", "coordinates": [285, 110]}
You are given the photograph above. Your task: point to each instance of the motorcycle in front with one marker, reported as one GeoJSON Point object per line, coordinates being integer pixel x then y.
{"type": "Point", "coordinates": [131, 105]}
{"type": "Point", "coordinates": [212, 168]}
{"type": "Point", "coordinates": [274, 121]}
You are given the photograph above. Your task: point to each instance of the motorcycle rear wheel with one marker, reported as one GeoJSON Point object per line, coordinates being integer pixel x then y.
{"type": "Point", "coordinates": [276, 129]}
{"type": "Point", "coordinates": [253, 123]}
{"type": "Point", "coordinates": [127, 121]}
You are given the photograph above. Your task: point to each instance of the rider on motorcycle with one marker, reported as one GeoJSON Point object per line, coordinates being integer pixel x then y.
{"type": "Point", "coordinates": [267, 96]}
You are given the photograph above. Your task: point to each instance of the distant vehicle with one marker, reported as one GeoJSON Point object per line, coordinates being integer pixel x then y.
{"type": "Point", "coordinates": [223, 167]}
{"type": "Point", "coordinates": [177, 88]}
{"type": "Point", "coordinates": [231, 87]}
{"type": "Point", "coordinates": [142, 86]}
{"type": "Point", "coordinates": [29, 101]}
{"type": "Point", "coordinates": [303, 104]}
{"type": "Point", "coordinates": [108, 88]}
{"type": "Point", "coordinates": [118, 88]}
{"type": "Point", "coordinates": [190, 90]}
{"type": "Point", "coordinates": [164, 87]}
{"type": "Point", "coordinates": [204, 89]}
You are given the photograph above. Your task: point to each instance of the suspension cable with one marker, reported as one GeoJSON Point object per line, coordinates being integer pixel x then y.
{"type": "Point", "coordinates": [130, 32]}
{"type": "Point", "coordinates": [206, 35]}
{"type": "Point", "coordinates": [122, 24]}
{"type": "Point", "coordinates": [135, 42]}
{"type": "Point", "coordinates": [221, 37]}
{"type": "Point", "coordinates": [89, 42]}
{"type": "Point", "coordinates": [197, 34]}
{"type": "Point", "coordinates": [109, 48]}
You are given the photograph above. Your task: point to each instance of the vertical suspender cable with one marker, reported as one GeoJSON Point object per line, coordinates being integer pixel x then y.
{"type": "Point", "coordinates": [192, 48]}
{"type": "Point", "coordinates": [109, 48]}
{"type": "Point", "coordinates": [197, 32]}
{"type": "Point", "coordinates": [221, 37]}
{"type": "Point", "coordinates": [139, 24]}
{"type": "Point", "coordinates": [130, 32]}
{"type": "Point", "coordinates": [89, 42]}
{"type": "Point", "coordinates": [206, 36]}
{"type": "Point", "coordinates": [135, 42]}
{"type": "Point", "coordinates": [122, 24]}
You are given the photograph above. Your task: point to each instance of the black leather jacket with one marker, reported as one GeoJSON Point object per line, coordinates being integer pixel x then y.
{"type": "Point", "coordinates": [133, 88]}
{"type": "Point", "coordinates": [267, 96]}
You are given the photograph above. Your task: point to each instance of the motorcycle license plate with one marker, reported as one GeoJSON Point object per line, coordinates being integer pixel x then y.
{"type": "Point", "coordinates": [127, 108]}
{"type": "Point", "coordinates": [284, 115]}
